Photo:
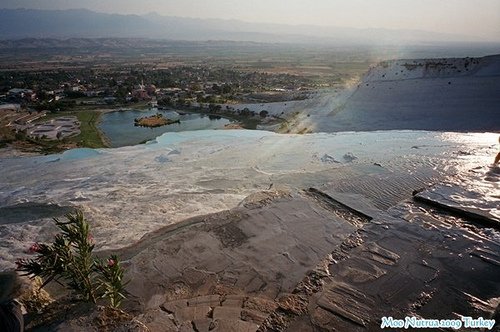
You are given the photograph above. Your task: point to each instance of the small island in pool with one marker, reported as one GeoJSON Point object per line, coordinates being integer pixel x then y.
{"type": "Point", "coordinates": [156, 120]}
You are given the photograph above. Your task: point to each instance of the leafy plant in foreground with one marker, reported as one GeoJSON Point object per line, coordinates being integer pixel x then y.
{"type": "Point", "coordinates": [69, 260]}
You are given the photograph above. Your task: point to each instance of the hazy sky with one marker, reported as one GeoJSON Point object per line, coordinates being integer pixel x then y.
{"type": "Point", "coordinates": [466, 17]}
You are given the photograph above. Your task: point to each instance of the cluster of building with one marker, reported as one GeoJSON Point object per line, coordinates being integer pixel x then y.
{"type": "Point", "coordinates": [57, 128]}
{"type": "Point", "coordinates": [17, 94]}
{"type": "Point", "coordinates": [193, 84]}
{"type": "Point", "coordinates": [23, 121]}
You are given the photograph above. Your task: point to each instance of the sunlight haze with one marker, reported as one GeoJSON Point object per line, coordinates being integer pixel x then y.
{"type": "Point", "coordinates": [451, 16]}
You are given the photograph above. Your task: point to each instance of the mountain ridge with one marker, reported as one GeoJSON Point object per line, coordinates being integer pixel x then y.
{"type": "Point", "coordinates": [84, 23]}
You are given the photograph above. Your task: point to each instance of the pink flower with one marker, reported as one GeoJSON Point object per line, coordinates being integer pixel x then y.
{"type": "Point", "coordinates": [90, 239]}
{"type": "Point", "coordinates": [35, 247]}
{"type": "Point", "coordinates": [111, 262]}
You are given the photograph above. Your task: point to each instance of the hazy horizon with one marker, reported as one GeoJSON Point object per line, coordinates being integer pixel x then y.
{"type": "Point", "coordinates": [460, 17]}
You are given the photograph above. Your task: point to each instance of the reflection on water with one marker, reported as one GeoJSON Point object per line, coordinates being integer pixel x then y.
{"type": "Point", "coordinates": [476, 184]}
{"type": "Point", "coordinates": [478, 148]}
{"type": "Point", "coordinates": [119, 126]}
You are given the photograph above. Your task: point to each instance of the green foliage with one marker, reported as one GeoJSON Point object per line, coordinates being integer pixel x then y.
{"type": "Point", "coordinates": [111, 280]}
{"type": "Point", "coordinates": [69, 260]}
{"type": "Point", "coordinates": [89, 136]}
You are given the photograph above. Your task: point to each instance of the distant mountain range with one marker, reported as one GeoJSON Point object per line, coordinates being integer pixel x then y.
{"type": "Point", "coordinates": [82, 23]}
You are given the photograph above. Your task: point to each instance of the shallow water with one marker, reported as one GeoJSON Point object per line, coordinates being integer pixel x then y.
{"type": "Point", "coordinates": [129, 191]}
{"type": "Point", "coordinates": [119, 126]}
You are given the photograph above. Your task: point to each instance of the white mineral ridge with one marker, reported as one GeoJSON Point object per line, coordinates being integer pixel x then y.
{"type": "Point", "coordinates": [452, 94]}
{"type": "Point", "coordinates": [432, 94]}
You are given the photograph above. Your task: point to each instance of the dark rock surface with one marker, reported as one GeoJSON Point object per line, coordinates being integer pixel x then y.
{"type": "Point", "coordinates": [337, 257]}
{"type": "Point", "coordinates": [310, 262]}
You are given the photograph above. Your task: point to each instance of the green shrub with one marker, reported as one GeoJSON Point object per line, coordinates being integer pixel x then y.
{"type": "Point", "coordinates": [69, 260]}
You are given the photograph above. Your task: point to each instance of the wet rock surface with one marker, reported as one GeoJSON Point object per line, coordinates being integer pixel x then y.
{"type": "Point", "coordinates": [277, 273]}
{"type": "Point", "coordinates": [318, 259]}
{"type": "Point", "coordinates": [470, 204]}
{"type": "Point", "coordinates": [264, 251]}
{"type": "Point", "coordinates": [403, 269]}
